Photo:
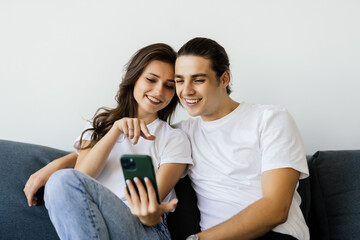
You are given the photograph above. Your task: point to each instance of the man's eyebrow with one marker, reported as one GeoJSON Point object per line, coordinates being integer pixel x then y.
{"type": "Point", "coordinates": [198, 75]}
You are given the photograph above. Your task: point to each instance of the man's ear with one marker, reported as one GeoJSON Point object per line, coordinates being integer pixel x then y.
{"type": "Point", "coordinates": [225, 79]}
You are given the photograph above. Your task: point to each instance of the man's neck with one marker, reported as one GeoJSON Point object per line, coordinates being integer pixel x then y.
{"type": "Point", "coordinates": [224, 108]}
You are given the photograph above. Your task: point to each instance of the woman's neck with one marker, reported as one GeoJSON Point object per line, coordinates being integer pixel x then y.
{"type": "Point", "coordinates": [148, 119]}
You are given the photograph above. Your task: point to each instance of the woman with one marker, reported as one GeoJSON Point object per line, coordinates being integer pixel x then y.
{"type": "Point", "coordinates": [81, 207]}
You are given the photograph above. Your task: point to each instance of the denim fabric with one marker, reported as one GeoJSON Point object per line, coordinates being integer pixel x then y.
{"type": "Point", "coordinates": [81, 208]}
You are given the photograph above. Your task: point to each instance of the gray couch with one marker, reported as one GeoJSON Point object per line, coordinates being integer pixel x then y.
{"type": "Point", "coordinates": [331, 196]}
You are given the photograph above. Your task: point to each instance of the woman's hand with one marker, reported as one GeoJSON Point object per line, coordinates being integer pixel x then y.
{"type": "Point", "coordinates": [144, 205]}
{"type": "Point", "coordinates": [35, 182]}
{"type": "Point", "coordinates": [39, 178]}
{"type": "Point", "coordinates": [133, 128]}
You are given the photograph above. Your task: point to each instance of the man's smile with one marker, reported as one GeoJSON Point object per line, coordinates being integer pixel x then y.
{"type": "Point", "coordinates": [192, 101]}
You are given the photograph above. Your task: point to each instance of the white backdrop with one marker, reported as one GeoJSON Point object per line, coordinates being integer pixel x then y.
{"type": "Point", "coordinates": [61, 60]}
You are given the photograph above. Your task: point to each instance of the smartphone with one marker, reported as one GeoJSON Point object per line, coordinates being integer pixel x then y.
{"type": "Point", "coordinates": [140, 166]}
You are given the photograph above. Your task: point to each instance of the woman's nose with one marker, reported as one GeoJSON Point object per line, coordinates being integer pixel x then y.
{"type": "Point", "coordinates": [159, 88]}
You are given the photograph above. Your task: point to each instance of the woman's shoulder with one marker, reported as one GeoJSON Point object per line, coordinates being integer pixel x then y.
{"type": "Point", "coordinates": [187, 125]}
{"type": "Point", "coordinates": [168, 130]}
{"type": "Point", "coordinates": [168, 137]}
{"type": "Point", "coordinates": [172, 142]}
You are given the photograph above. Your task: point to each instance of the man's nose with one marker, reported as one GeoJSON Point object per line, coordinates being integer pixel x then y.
{"type": "Point", "coordinates": [188, 89]}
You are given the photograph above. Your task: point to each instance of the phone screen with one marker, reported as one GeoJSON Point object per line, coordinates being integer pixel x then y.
{"type": "Point", "coordinates": [140, 166]}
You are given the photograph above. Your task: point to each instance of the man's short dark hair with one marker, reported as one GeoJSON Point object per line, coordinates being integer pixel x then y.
{"type": "Point", "coordinates": [209, 49]}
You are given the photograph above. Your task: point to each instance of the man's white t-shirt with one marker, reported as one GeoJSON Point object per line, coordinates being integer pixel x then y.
{"type": "Point", "coordinates": [231, 153]}
{"type": "Point", "coordinates": [170, 146]}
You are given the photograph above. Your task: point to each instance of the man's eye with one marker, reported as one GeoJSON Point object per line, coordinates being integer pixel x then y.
{"type": "Point", "coordinates": [179, 81]}
{"type": "Point", "coordinates": [150, 80]}
{"type": "Point", "coordinates": [199, 80]}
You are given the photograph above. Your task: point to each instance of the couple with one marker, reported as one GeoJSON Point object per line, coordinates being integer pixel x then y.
{"type": "Point", "coordinates": [244, 160]}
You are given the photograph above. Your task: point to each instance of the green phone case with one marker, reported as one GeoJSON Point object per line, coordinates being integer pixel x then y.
{"type": "Point", "coordinates": [139, 166]}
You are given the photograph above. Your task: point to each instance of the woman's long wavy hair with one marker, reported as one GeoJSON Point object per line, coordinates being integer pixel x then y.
{"type": "Point", "coordinates": [104, 117]}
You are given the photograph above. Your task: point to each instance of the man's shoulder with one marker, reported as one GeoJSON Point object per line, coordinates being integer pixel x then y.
{"type": "Point", "coordinates": [264, 107]}
{"type": "Point", "coordinates": [264, 110]}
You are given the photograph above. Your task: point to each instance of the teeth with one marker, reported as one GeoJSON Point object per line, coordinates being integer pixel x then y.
{"type": "Point", "coordinates": [192, 100]}
{"type": "Point", "coordinates": [154, 99]}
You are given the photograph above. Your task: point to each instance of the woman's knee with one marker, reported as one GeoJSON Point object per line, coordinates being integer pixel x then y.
{"type": "Point", "coordinates": [58, 184]}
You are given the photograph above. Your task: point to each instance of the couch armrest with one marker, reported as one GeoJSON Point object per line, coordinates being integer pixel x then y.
{"type": "Point", "coordinates": [335, 195]}
{"type": "Point", "coordinates": [17, 220]}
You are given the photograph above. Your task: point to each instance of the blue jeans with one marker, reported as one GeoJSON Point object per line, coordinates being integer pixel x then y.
{"type": "Point", "coordinates": [81, 208]}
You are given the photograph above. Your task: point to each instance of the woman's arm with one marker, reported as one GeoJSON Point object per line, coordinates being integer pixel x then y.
{"type": "Point", "coordinates": [40, 177]}
{"type": "Point", "coordinates": [167, 177]}
{"type": "Point", "coordinates": [145, 205]}
{"type": "Point", "coordinates": [92, 161]}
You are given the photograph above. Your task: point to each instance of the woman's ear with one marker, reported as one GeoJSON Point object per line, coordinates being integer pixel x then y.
{"type": "Point", "coordinates": [225, 79]}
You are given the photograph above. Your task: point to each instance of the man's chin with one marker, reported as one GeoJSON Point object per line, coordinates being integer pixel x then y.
{"type": "Point", "coordinates": [192, 113]}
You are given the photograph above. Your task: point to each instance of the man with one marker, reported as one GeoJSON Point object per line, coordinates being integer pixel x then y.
{"type": "Point", "coordinates": [247, 158]}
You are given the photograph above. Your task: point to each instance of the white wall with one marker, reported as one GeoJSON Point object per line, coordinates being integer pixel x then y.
{"type": "Point", "coordinates": [61, 60]}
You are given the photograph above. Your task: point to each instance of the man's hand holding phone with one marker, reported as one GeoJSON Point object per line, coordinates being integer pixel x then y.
{"type": "Point", "coordinates": [145, 205]}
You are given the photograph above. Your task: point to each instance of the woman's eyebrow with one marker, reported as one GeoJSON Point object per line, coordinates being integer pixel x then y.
{"type": "Point", "coordinates": [155, 75]}
{"type": "Point", "coordinates": [192, 76]}
{"type": "Point", "coordinates": [178, 76]}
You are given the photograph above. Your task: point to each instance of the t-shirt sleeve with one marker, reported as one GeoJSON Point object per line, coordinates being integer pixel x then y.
{"type": "Point", "coordinates": [184, 125]}
{"type": "Point", "coordinates": [176, 149]}
{"type": "Point", "coordinates": [86, 136]}
{"type": "Point", "coordinates": [281, 143]}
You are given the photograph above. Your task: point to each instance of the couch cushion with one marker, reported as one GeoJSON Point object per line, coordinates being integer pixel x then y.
{"type": "Point", "coordinates": [17, 220]}
{"type": "Point", "coordinates": [185, 220]}
{"type": "Point", "coordinates": [335, 195]}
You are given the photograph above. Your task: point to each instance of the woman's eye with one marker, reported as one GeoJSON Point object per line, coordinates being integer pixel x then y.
{"type": "Point", "coordinates": [170, 87]}
{"type": "Point", "coordinates": [150, 80]}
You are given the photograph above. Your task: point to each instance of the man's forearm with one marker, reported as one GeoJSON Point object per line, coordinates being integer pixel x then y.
{"type": "Point", "coordinates": [278, 186]}
{"type": "Point", "coordinates": [254, 221]}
